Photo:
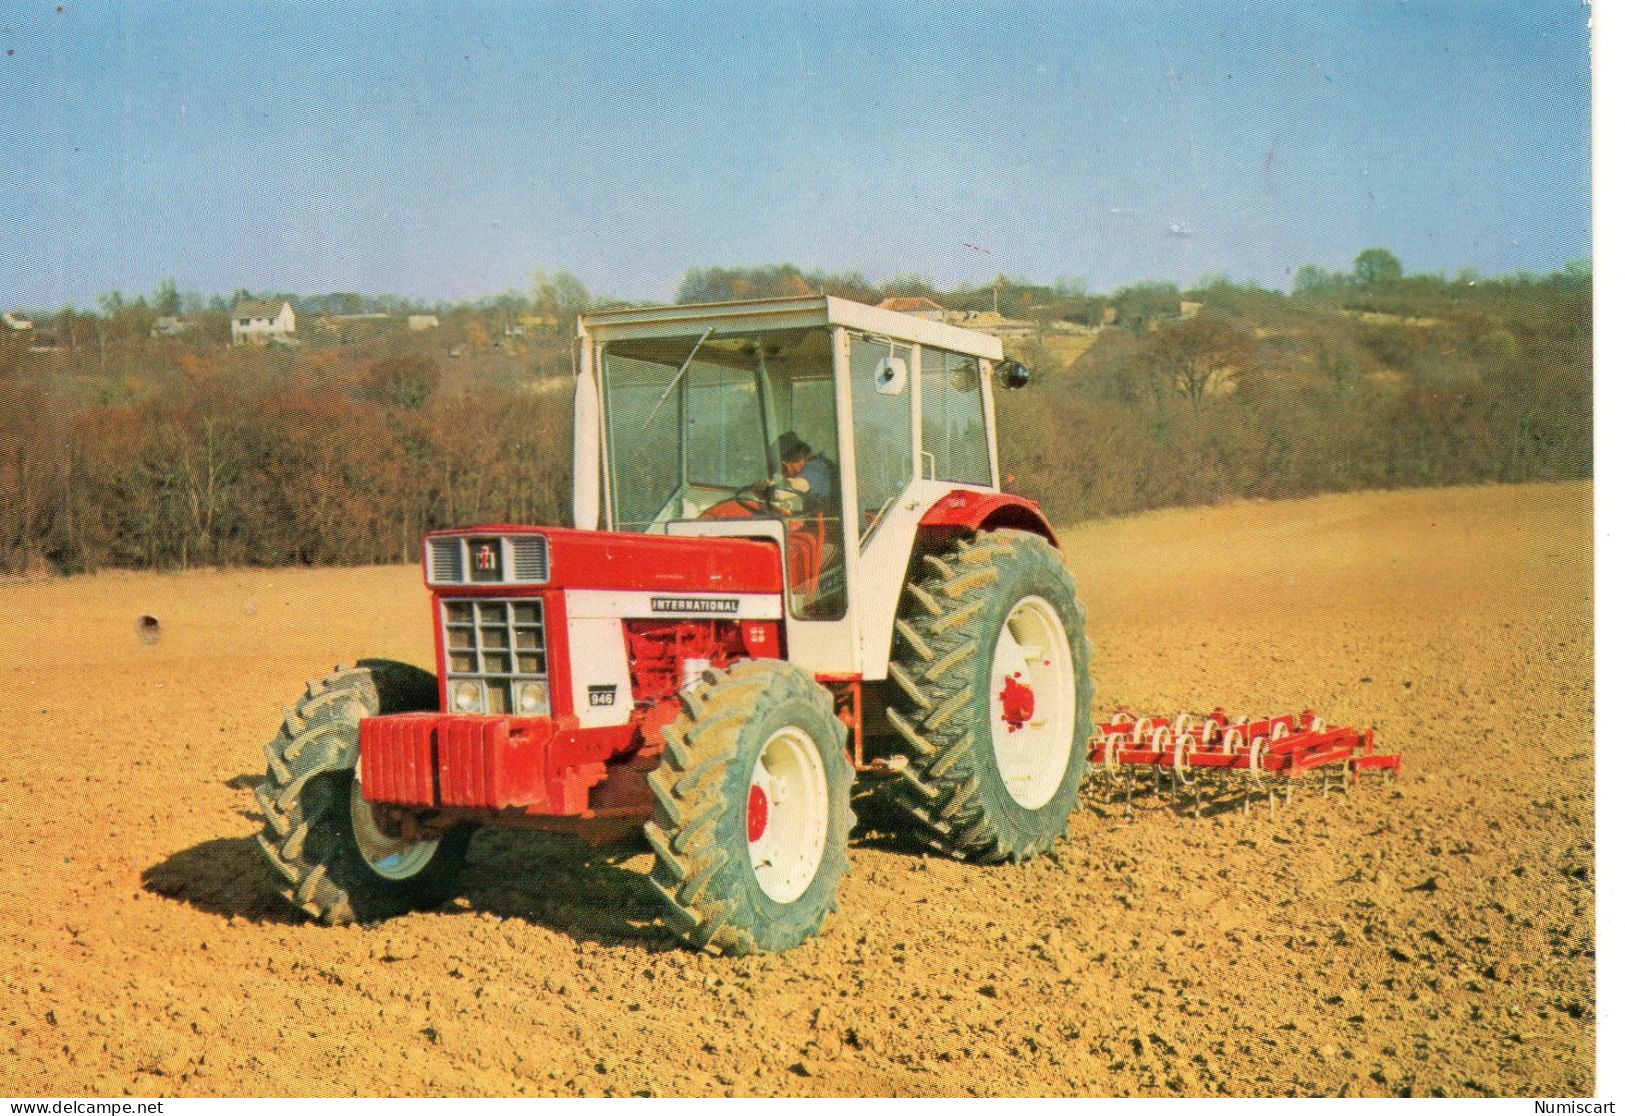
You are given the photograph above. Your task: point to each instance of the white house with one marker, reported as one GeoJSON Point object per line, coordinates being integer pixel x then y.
{"type": "Point", "coordinates": [256, 322]}
{"type": "Point", "coordinates": [419, 322]}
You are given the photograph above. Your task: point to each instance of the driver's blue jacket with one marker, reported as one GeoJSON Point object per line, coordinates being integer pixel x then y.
{"type": "Point", "coordinates": [823, 496]}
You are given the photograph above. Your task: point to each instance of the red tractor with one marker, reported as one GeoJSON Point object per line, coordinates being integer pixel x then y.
{"type": "Point", "coordinates": [791, 567]}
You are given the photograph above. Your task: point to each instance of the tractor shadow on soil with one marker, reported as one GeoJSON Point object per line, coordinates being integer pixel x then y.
{"type": "Point", "coordinates": [880, 828]}
{"type": "Point", "coordinates": [561, 883]}
{"type": "Point", "coordinates": [564, 884]}
{"type": "Point", "coordinates": [556, 882]}
{"type": "Point", "coordinates": [598, 895]}
{"type": "Point", "coordinates": [227, 876]}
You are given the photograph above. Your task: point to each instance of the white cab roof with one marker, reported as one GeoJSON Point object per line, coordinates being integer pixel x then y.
{"type": "Point", "coordinates": [799, 312]}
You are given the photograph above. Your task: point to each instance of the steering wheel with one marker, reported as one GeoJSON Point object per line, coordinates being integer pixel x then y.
{"type": "Point", "coordinates": [749, 497]}
{"type": "Point", "coordinates": [745, 503]}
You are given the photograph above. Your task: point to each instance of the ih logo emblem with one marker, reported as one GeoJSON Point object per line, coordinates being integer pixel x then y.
{"type": "Point", "coordinates": [485, 558]}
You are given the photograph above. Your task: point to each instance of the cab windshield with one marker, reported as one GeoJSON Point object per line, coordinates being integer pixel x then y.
{"type": "Point", "coordinates": [692, 421]}
{"type": "Point", "coordinates": [739, 426]}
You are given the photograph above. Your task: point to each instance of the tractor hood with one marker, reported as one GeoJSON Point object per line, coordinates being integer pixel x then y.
{"type": "Point", "coordinates": [500, 556]}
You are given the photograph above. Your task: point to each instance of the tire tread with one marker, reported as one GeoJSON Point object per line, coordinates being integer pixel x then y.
{"type": "Point", "coordinates": [313, 751]}
{"type": "Point", "coordinates": [941, 796]}
{"type": "Point", "coordinates": [692, 878]}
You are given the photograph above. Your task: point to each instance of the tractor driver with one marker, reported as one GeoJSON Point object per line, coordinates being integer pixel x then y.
{"type": "Point", "coordinates": [810, 474]}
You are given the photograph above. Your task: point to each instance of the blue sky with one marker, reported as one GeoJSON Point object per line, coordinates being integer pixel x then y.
{"type": "Point", "coordinates": [445, 152]}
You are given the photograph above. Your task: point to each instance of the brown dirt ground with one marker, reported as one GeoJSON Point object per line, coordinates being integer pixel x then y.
{"type": "Point", "coordinates": [1432, 936]}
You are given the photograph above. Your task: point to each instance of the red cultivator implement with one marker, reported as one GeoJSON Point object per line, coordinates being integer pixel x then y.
{"type": "Point", "coordinates": [1230, 757]}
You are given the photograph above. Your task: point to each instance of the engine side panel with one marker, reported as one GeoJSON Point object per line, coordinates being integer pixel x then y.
{"type": "Point", "coordinates": [620, 641]}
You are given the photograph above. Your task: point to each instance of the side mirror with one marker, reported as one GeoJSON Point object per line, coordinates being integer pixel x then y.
{"type": "Point", "coordinates": [1013, 374]}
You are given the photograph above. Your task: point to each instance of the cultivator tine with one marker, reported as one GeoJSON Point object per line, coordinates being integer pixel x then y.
{"type": "Point", "coordinates": [1211, 757]}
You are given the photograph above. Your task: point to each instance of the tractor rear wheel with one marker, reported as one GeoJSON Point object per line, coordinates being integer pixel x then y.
{"type": "Point", "coordinates": [752, 810]}
{"type": "Point", "coordinates": [337, 859]}
{"type": "Point", "coordinates": [990, 693]}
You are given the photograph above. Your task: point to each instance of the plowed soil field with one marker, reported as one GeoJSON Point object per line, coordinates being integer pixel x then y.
{"type": "Point", "coordinates": [1429, 936]}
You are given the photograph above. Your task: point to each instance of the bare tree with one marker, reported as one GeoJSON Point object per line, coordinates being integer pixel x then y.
{"type": "Point", "coordinates": [1195, 356]}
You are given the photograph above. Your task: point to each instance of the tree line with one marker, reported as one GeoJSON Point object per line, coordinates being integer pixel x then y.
{"type": "Point", "coordinates": [328, 465]}
{"type": "Point", "coordinates": [145, 452]}
{"type": "Point", "coordinates": [1404, 382]}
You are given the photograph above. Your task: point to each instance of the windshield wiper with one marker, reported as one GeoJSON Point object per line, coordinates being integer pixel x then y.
{"type": "Point", "coordinates": [680, 370]}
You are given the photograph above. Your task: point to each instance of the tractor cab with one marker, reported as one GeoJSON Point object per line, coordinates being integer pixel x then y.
{"type": "Point", "coordinates": [828, 426]}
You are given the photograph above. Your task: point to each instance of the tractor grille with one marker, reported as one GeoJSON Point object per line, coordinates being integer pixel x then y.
{"type": "Point", "coordinates": [529, 558]}
{"type": "Point", "coordinates": [499, 646]}
{"type": "Point", "coordinates": [446, 560]}
{"type": "Point", "coordinates": [486, 559]}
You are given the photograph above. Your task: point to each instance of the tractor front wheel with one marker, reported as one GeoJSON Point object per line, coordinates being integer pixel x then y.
{"type": "Point", "coordinates": [336, 857]}
{"type": "Point", "coordinates": [990, 695]}
{"type": "Point", "coordinates": [752, 810]}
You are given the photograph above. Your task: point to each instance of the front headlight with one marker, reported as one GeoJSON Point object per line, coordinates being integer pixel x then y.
{"type": "Point", "coordinates": [466, 697]}
{"type": "Point", "coordinates": [533, 698]}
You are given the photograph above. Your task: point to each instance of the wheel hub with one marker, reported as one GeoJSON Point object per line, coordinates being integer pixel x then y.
{"type": "Point", "coordinates": [756, 814]}
{"type": "Point", "coordinates": [388, 851]}
{"type": "Point", "coordinates": [1018, 700]}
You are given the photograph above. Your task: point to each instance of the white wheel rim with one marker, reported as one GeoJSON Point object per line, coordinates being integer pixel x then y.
{"type": "Point", "coordinates": [1033, 698]}
{"type": "Point", "coordinates": [1253, 755]}
{"type": "Point", "coordinates": [393, 858]}
{"type": "Point", "coordinates": [787, 814]}
{"type": "Point", "coordinates": [1108, 755]}
{"type": "Point", "coordinates": [1182, 750]}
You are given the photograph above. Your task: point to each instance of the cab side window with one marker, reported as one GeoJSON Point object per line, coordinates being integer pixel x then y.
{"type": "Point", "coordinates": [882, 430]}
{"type": "Point", "coordinates": [953, 428]}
